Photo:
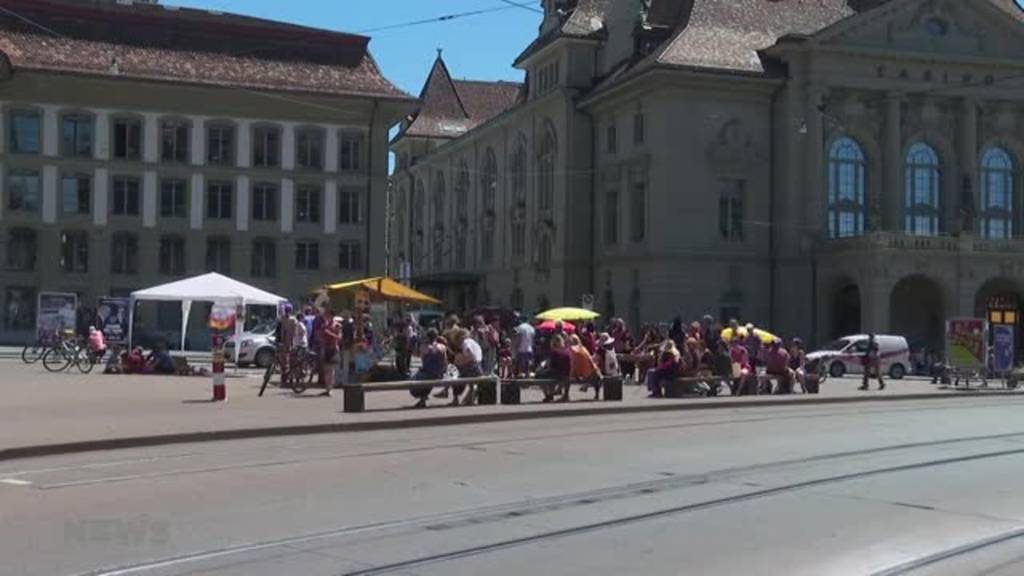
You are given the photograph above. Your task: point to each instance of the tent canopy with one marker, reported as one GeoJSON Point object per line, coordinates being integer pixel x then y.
{"type": "Point", "coordinates": [385, 288]}
{"type": "Point", "coordinates": [211, 287]}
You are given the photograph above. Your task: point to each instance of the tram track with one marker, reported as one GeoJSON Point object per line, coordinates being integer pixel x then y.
{"type": "Point", "coordinates": [519, 509]}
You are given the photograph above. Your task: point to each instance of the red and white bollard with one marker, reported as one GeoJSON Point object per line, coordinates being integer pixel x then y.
{"type": "Point", "coordinates": [220, 392]}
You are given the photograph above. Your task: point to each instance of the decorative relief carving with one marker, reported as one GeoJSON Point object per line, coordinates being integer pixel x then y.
{"type": "Point", "coordinates": [734, 148]}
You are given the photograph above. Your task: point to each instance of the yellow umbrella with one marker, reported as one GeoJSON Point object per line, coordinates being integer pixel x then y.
{"type": "Point", "coordinates": [765, 336]}
{"type": "Point", "coordinates": [568, 314]}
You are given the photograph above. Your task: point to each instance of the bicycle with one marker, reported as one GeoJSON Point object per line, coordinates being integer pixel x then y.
{"type": "Point", "coordinates": [33, 351]}
{"type": "Point", "coordinates": [296, 369]}
{"type": "Point", "coordinates": [69, 352]}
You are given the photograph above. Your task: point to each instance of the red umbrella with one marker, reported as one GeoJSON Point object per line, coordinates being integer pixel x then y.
{"type": "Point", "coordinates": [549, 326]}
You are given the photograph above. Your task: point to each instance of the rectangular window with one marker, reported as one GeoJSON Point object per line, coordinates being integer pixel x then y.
{"type": "Point", "coordinates": [307, 255]}
{"type": "Point", "coordinates": [127, 139]}
{"type": "Point", "coordinates": [264, 259]}
{"type": "Point", "coordinates": [74, 252]}
{"type": "Point", "coordinates": [172, 256]}
{"type": "Point", "coordinates": [124, 254]}
{"type": "Point", "coordinates": [351, 152]}
{"type": "Point", "coordinates": [173, 198]}
{"type": "Point", "coordinates": [220, 145]}
{"type": "Point", "coordinates": [25, 132]}
{"type": "Point", "coordinates": [77, 136]}
{"type": "Point", "coordinates": [218, 255]}
{"type": "Point", "coordinates": [23, 191]}
{"type": "Point", "coordinates": [349, 207]}
{"type": "Point", "coordinates": [611, 217]}
{"type": "Point", "coordinates": [75, 191]}
{"type": "Point", "coordinates": [266, 147]}
{"type": "Point", "coordinates": [21, 250]}
{"type": "Point", "coordinates": [307, 204]}
{"type": "Point", "coordinates": [218, 201]}
{"type": "Point", "coordinates": [612, 137]}
{"type": "Point", "coordinates": [350, 256]}
{"type": "Point", "coordinates": [125, 196]}
{"type": "Point", "coordinates": [309, 151]}
{"type": "Point", "coordinates": [264, 202]}
{"type": "Point", "coordinates": [639, 128]}
{"type": "Point", "coordinates": [730, 208]}
{"type": "Point", "coordinates": [638, 211]}
{"type": "Point", "coordinates": [174, 141]}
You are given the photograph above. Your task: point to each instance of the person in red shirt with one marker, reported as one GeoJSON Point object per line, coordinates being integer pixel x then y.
{"type": "Point", "coordinates": [329, 337]}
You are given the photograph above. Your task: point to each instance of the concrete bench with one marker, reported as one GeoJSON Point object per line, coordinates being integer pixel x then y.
{"type": "Point", "coordinates": [354, 395]}
{"type": "Point", "coordinates": [511, 389]}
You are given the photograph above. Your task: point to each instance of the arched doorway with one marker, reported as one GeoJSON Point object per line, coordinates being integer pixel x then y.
{"type": "Point", "coordinates": [917, 311]}
{"type": "Point", "coordinates": [846, 310]}
{"type": "Point", "coordinates": [999, 301]}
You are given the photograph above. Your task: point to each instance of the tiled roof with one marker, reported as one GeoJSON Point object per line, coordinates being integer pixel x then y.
{"type": "Point", "coordinates": [585, 21]}
{"type": "Point", "coordinates": [450, 108]}
{"type": "Point", "coordinates": [727, 34]}
{"type": "Point", "coordinates": [150, 42]}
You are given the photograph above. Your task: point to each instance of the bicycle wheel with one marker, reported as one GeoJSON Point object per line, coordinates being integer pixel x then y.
{"type": "Point", "coordinates": [267, 375]}
{"type": "Point", "coordinates": [32, 353]}
{"type": "Point", "coordinates": [298, 376]}
{"type": "Point", "coordinates": [84, 361]}
{"type": "Point", "coordinates": [56, 360]}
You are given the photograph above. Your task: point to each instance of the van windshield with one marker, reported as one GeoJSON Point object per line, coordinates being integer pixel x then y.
{"type": "Point", "coordinates": [837, 346]}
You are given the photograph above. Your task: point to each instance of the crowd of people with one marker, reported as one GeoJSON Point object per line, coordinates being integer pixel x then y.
{"type": "Point", "coordinates": [703, 354]}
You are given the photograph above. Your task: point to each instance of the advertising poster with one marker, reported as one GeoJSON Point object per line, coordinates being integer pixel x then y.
{"type": "Point", "coordinates": [1002, 349]}
{"type": "Point", "coordinates": [967, 343]}
{"type": "Point", "coordinates": [55, 313]}
{"type": "Point", "coordinates": [112, 319]}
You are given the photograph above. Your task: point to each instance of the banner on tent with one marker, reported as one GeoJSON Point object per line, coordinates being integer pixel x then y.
{"type": "Point", "coordinates": [112, 319]}
{"type": "Point", "coordinates": [55, 313]}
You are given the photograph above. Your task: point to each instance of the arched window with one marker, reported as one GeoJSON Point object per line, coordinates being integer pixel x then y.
{"type": "Point", "coordinates": [546, 171]}
{"type": "Point", "coordinates": [439, 203]}
{"type": "Point", "coordinates": [519, 200]}
{"type": "Point", "coordinates": [996, 215]}
{"type": "Point", "coordinates": [846, 169]}
{"type": "Point", "coordinates": [461, 226]}
{"type": "Point", "coordinates": [489, 191]}
{"type": "Point", "coordinates": [922, 194]}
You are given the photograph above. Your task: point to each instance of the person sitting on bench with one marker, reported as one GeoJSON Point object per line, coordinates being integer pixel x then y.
{"type": "Point", "coordinates": [434, 365]}
{"type": "Point", "coordinates": [777, 364]}
{"type": "Point", "coordinates": [583, 367]}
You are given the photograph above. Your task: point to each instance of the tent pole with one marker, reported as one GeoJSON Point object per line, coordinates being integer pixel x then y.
{"type": "Point", "coordinates": [131, 320]}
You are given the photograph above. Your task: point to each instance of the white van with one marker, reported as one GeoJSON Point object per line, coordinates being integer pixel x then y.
{"type": "Point", "coordinates": [844, 356]}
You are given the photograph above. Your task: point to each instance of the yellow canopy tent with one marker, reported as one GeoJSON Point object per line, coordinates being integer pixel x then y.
{"type": "Point", "coordinates": [383, 288]}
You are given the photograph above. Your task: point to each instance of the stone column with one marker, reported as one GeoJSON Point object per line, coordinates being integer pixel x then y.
{"type": "Point", "coordinates": [244, 143]}
{"type": "Point", "coordinates": [875, 294]}
{"type": "Point", "coordinates": [100, 188]}
{"type": "Point", "coordinates": [288, 146]}
{"type": "Point", "coordinates": [151, 139]}
{"type": "Point", "coordinates": [50, 196]}
{"type": "Point", "coordinates": [814, 168]}
{"type": "Point", "coordinates": [242, 197]}
{"type": "Point", "coordinates": [964, 199]}
{"type": "Point", "coordinates": [198, 144]}
{"type": "Point", "coordinates": [101, 136]}
{"type": "Point", "coordinates": [287, 205]}
{"type": "Point", "coordinates": [330, 212]}
{"type": "Point", "coordinates": [51, 131]}
{"type": "Point", "coordinates": [892, 162]}
{"type": "Point", "coordinates": [197, 203]}
{"type": "Point", "coordinates": [150, 201]}
{"type": "Point", "coordinates": [331, 150]}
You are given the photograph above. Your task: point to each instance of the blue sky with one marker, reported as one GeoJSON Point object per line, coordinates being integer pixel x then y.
{"type": "Point", "coordinates": [479, 47]}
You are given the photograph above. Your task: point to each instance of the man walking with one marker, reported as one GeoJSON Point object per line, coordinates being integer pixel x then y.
{"type": "Point", "coordinates": [872, 364]}
{"type": "Point", "coordinates": [522, 346]}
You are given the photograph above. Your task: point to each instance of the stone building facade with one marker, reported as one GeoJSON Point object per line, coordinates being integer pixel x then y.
{"type": "Point", "coordinates": [138, 148]}
{"type": "Point", "coordinates": [818, 166]}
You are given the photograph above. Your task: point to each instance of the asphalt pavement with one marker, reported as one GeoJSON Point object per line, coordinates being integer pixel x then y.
{"type": "Point", "coordinates": [914, 487]}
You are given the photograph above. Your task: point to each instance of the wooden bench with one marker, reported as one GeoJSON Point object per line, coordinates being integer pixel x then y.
{"type": "Point", "coordinates": [511, 389]}
{"type": "Point", "coordinates": [354, 395]}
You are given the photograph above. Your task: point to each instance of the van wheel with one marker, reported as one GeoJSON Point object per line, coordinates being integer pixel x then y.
{"type": "Point", "coordinates": [897, 372]}
{"type": "Point", "coordinates": [837, 369]}
{"type": "Point", "coordinates": [264, 358]}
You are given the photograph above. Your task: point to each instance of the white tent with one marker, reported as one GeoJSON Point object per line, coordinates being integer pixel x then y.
{"type": "Point", "coordinates": [212, 287]}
